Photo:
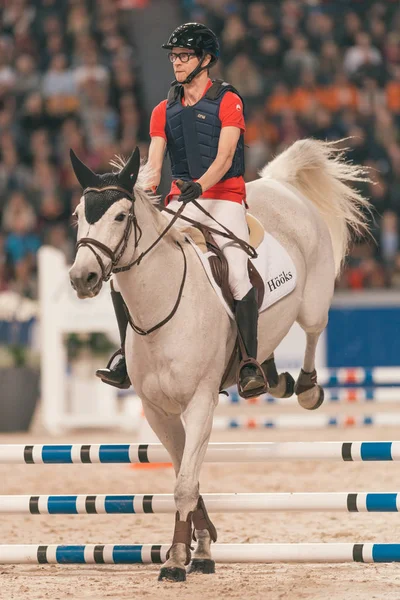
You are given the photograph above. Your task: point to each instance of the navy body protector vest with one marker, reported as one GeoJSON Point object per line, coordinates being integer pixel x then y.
{"type": "Point", "coordinates": [193, 133]}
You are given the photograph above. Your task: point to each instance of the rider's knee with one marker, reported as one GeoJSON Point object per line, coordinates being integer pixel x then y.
{"type": "Point", "coordinates": [240, 286]}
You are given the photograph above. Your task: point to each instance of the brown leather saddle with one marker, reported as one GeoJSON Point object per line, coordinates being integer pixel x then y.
{"type": "Point", "coordinates": [218, 263]}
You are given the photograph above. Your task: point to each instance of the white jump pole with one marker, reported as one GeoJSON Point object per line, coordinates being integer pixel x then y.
{"type": "Point", "coordinates": [235, 452]}
{"type": "Point", "coordinates": [222, 553]}
{"type": "Point", "coordinates": [164, 503]}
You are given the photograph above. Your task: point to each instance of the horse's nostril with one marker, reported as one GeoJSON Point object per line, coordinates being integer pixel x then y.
{"type": "Point", "coordinates": [91, 278]}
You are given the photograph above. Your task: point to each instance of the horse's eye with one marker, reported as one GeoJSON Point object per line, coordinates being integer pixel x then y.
{"type": "Point", "coordinates": [120, 217]}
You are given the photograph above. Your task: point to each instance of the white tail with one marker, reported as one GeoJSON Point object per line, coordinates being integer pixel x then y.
{"type": "Point", "coordinates": [319, 171]}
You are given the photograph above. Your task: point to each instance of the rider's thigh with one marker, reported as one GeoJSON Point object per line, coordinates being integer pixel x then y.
{"type": "Point", "coordinates": [239, 280]}
{"type": "Point", "coordinates": [233, 216]}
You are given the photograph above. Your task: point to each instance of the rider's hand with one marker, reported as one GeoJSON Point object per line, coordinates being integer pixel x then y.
{"type": "Point", "coordinates": [190, 190]}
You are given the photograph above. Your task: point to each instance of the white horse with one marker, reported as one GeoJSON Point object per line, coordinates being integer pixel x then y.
{"type": "Point", "coordinates": [304, 199]}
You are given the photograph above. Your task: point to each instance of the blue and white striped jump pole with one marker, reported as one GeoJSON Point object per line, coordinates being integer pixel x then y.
{"type": "Point", "coordinates": [164, 503]}
{"type": "Point", "coordinates": [306, 421]}
{"type": "Point", "coordinates": [233, 452]}
{"type": "Point", "coordinates": [222, 553]}
{"type": "Point", "coordinates": [360, 395]}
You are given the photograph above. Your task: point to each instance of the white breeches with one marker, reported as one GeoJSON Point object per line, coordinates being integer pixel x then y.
{"type": "Point", "coordinates": [233, 216]}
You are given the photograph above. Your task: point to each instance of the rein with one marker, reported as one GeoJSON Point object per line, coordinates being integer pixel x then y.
{"type": "Point", "coordinates": [228, 234]}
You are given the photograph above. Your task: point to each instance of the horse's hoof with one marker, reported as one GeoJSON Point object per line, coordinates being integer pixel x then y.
{"type": "Point", "coordinates": [284, 387]}
{"type": "Point", "coordinates": [290, 383]}
{"type": "Point", "coordinates": [202, 565]}
{"type": "Point", "coordinates": [310, 400]}
{"type": "Point", "coordinates": [172, 574]}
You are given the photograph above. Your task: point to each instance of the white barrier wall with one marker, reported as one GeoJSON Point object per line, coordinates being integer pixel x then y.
{"type": "Point", "coordinates": [81, 400]}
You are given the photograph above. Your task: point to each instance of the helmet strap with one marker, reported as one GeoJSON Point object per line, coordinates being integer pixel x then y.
{"type": "Point", "coordinates": [197, 70]}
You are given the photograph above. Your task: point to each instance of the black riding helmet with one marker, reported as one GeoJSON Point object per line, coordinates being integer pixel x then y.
{"type": "Point", "coordinates": [199, 38]}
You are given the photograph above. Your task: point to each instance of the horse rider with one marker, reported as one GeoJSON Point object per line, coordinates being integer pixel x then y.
{"type": "Point", "coordinates": [201, 125]}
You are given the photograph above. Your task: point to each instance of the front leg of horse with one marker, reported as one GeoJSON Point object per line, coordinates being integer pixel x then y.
{"type": "Point", "coordinates": [204, 534]}
{"type": "Point", "coordinates": [280, 385]}
{"type": "Point", "coordinates": [190, 508]}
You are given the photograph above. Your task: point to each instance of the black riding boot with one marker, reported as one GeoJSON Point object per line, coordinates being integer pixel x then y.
{"type": "Point", "coordinates": [251, 378]}
{"type": "Point", "coordinates": [117, 375]}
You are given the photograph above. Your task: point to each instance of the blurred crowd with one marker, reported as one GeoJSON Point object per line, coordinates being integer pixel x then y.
{"type": "Point", "coordinates": [68, 78]}
{"type": "Point", "coordinates": [327, 69]}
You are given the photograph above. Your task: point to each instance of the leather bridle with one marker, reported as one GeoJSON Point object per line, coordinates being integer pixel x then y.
{"type": "Point", "coordinates": [116, 254]}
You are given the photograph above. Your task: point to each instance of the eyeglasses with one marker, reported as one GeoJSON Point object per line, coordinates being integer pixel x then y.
{"type": "Point", "coordinates": [183, 56]}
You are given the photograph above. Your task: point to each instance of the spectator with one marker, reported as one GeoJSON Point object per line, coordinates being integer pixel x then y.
{"type": "Point", "coordinates": [329, 62]}
{"type": "Point", "coordinates": [23, 280]}
{"type": "Point", "coordinates": [377, 31]}
{"type": "Point", "coordinates": [99, 119]}
{"type": "Point", "coordinates": [13, 176]}
{"type": "Point", "coordinates": [27, 79]}
{"type": "Point", "coordinates": [91, 72]}
{"type": "Point", "coordinates": [243, 74]}
{"type": "Point", "coordinates": [261, 136]}
{"type": "Point", "coordinates": [370, 97]}
{"type": "Point", "coordinates": [389, 241]}
{"type": "Point", "coordinates": [392, 49]}
{"type": "Point", "coordinates": [58, 82]}
{"type": "Point", "coordinates": [352, 26]}
{"type": "Point", "coordinates": [33, 115]}
{"type": "Point", "coordinates": [59, 88]}
{"type": "Point", "coordinates": [305, 96]}
{"type": "Point", "coordinates": [299, 59]}
{"type": "Point", "coordinates": [234, 38]}
{"type": "Point", "coordinates": [260, 21]}
{"type": "Point", "coordinates": [18, 214]}
{"type": "Point", "coordinates": [279, 101]}
{"type": "Point", "coordinates": [3, 265]}
{"type": "Point", "coordinates": [269, 55]}
{"type": "Point", "coordinates": [362, 53]}
{"type": "Point", "coordinates": [7, 76]}
{"type": "Point", "coordinates": [320, 30]}
{"type": "Point", "coordinates": [393, 91]}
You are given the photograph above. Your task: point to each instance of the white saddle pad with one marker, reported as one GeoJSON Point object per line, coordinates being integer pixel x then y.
{"type": "Point", "coordinates": [273, 263]}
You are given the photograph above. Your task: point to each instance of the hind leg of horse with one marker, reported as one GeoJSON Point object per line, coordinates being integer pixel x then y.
{"type": "Point", "coordinates": [310, 395]}
{"type": "Point", "coordinates": [280, 385]}
{"type": "Point", "coordinates": [313, 318]}
{"type": "Point", "coordinates": [198, 424]}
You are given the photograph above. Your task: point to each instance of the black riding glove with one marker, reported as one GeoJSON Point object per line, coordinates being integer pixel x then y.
{"type": "Point", "coordinates": [190, 190]}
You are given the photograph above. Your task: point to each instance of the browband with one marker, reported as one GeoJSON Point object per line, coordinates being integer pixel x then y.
{"type": "Point", "coordinates": [110, 187]}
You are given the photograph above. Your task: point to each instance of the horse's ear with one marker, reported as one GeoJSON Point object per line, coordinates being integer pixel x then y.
{"type": "Point", "coordinates": [84, 175]}
{"type": "Point", "coordinates": [129, 173]}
